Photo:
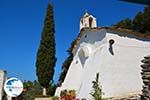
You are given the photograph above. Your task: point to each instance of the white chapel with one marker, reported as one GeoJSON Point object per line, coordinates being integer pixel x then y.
{"type": "Point", "coordinates": [114, 53]}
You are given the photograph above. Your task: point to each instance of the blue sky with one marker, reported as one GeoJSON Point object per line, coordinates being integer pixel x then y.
{"type": "Point", "coordinates": [21, 23]}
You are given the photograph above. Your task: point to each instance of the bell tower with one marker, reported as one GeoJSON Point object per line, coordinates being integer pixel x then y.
{"type": "Point", "coordinates": [87, 21]}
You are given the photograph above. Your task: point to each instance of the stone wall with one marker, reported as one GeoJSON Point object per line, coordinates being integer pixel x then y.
{"type": "Point", "coordinates": [146, 78]}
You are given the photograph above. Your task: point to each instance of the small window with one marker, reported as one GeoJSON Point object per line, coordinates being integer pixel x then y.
{"type": "Point", "coordinates": [111, 41]}
{"type": "Point", "coordinates": [85, 36]}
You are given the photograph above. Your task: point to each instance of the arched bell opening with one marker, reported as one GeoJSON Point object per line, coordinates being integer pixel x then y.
{"type": "Point", "coordinates": [90, 22]}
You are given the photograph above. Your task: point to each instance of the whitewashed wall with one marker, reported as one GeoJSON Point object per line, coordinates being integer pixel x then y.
{"type": "Point", "coordinates": [119, 72]}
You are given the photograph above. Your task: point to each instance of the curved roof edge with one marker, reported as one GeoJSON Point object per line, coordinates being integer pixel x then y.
{"type": "Point", "coordinates": [119, 31]}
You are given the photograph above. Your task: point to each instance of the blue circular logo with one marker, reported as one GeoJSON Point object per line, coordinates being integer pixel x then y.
{"type": "Point", "coordinates": [13, 87]}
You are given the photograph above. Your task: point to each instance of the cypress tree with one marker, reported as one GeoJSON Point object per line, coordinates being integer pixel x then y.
{"type": "Point", "coordinates": [46, 59]}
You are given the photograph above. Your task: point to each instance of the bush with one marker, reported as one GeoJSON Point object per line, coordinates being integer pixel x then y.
{"type": "Point", "coordinates": [97, 91]}
{"type": "Point", "coordinates": [55, 98]}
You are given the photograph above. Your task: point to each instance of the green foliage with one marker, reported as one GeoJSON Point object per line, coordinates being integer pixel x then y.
{"type": "Point", "coordinates": [31, 90]}
{"type": "Point", "coordinates": [51, 89]}
{"type": "Point", "coordinates": [55, 98]}
{"type": "Point", "coordinates": [37, 88]}
{"type": "Point", "coordinates": [46, 59]}
{"type": "Point", "coordinates": [66, 63]}
{"type": "Point", "coordinates": [34, 89]}
{"type": "Point", "coordinates": [146, 19]}
{"type": "Point", "coordinates": [71, 47]}
{"type": "Point", "coordinates": [140, 23]}
{"type": "Point", "coordinates": [97, 91]}
{"type": "Point", "coordinates": [126, 23]}
{"type": "Point", "coordinates": [65, 68]}
{"type": "Point", "coordinates": [29, 95]}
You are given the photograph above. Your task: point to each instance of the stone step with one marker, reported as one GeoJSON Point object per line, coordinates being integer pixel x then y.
{"type": "Point", "coordinates": [145, 65]}
{"type": "Point", "coordinates": [146, 61]}
{"type": "Point", "coordinates": [148, 57]}
{"type": "Point", "coordinates": [146, 81]}
{"type": "Point", "coordinates": [145, 73]}
{"type": "Point", "coordinates": [146, 77]}
{"type": "Point", "coordinates": [146, 69]}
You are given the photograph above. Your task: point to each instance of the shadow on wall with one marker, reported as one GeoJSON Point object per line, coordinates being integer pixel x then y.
{"type": "Point", "coordinates": [82, 57]}
{"type": "Point", "coordinates": [92, 37]}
